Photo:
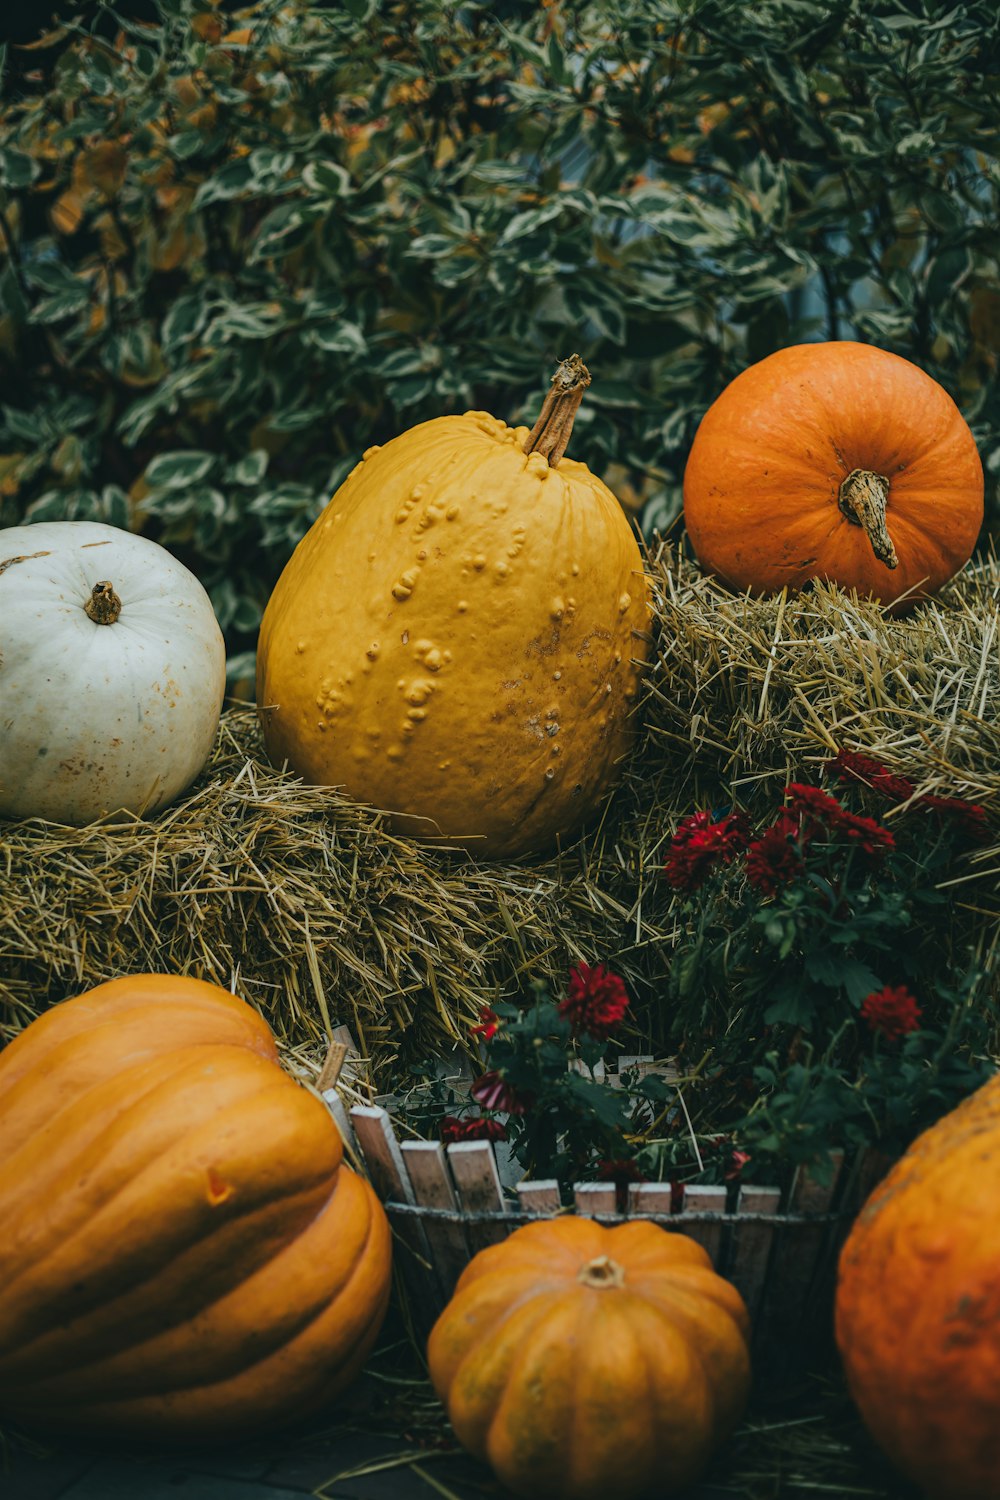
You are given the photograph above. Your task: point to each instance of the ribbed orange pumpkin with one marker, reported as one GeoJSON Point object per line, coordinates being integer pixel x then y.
{"type": "Point", "coordinates": [918, 1306]}
{"type": "Point", "coordinates": [182, 1254]}
{"type": "Point", "coordinates": [836, 461]}
{"type": "Point", "coordinates": [455, 639]}
{"type": "Point", "coordinates": [582, 1362]}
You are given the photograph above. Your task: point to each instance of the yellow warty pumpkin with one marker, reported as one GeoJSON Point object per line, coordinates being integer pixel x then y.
{"type": "Point", "coordinates": [457, 638]}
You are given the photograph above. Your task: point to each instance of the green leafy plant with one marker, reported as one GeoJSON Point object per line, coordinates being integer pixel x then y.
{"type": "Point", "coordinates": [817, 977]}
{"type": "Point", "coordinates": [543, 1087]}
{"type": "Point", "coordinates": [818, 1000]}
{"type": "Point", "coordinates": [237, 249]}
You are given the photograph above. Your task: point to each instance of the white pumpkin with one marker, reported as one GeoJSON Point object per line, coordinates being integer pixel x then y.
{"type": "Point", "coordinates": [112, 673]}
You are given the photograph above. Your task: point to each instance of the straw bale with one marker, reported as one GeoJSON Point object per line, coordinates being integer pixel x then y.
{"type": "Point", "coordinates": [307, 904]}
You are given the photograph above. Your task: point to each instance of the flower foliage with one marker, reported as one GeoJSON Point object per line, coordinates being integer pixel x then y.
{"type": "Point", "coordinates": [818, 965]}
{"type": "Point", "coordinates": [561, 1121]}
{"type": "Point", "coordinates": [542, 1087]}
{"type": "Point", "coordinates": [816, 999]}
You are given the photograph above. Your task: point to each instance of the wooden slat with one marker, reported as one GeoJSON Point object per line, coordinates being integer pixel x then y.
{"type": "Point", "coordinates": [412, 1256]}
{"type": "Point", "coordinates": [788, 1307]}
{"type": "Point", "coordinates": [577, 1065]}
{"type": "Point", "coordinates": [377, 1139]}
{"type": "Point", "coordinates": [866, 1171]}
{"type": "Point", "coordinates": [710, 1199]}
{"type": "Point", "coordinates": [751, 1244]}
{"type": "Point", "coordinates": [539, 1197]}
{"type": "Point", "coordinates": [871, 1168]}
{"type": "Point", "coordinates": [639, 1063]}
{"type": "Point", "coordinates": [345, 1036]}
{"type": "Point", "coordinates": [649, 1199]}
{"type": "Point", "coordinates": [474, 1170]}
{"type": "Point", "coordinates": [330, 1071]}
{"type": "Point", "coordinates": [427, 1169]}
{"type": "Point", "coordinates": [810, 1195]}
{"type": "Point", "coordinates": [642, 1064]}
{"type": "Point", "coordinates": [335, 1104]}
{"type": "Point", "coordinates": [508, 1166]}
{"type": "Point", "coordinates": [593, 1198]}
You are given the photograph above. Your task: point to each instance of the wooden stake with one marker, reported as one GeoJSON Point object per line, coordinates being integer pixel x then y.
{"type": "Point", "coordinates": [330, 1072]}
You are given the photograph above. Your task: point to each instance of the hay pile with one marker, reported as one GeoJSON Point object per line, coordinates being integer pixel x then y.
{"type": "Point", "coordinates": [309, 906]}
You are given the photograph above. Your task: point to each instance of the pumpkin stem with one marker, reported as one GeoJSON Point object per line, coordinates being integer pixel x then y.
{"type": "Point", "coordinates": [551, 432]}
{"type": "Point", "coordinates": [863, 497]}
{"type": "Point", "coordinates": [104, 605]}
{"type": "Point", "coordinates": [602, 1272]}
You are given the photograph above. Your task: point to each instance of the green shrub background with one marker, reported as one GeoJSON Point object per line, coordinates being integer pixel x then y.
{"type": "Point", "coordinates": [238, 248]}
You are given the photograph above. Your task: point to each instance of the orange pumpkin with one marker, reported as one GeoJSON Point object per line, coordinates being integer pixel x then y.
{"type": "Point", "coordinates": [918, 1306]}
{"type": "Point", "coordinates": [582, 1362]}
{"type": "Point", "coordinates": [836, 461]}
{"type": "Point", "coordinates": [183, 1254]}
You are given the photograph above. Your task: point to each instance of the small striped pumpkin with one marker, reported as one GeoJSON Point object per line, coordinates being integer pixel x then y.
{"type": "Point", "coordinates": [583, 1362]}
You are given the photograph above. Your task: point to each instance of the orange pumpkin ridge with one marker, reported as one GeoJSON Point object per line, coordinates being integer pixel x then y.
{"type": "Point", "coordinates": [185, 1254]}
{"type": "Point", "coordinates": [834, 460]}
{"type": "Point", "coordinates": [579, 1360]}
{"type": "Point", "coordinates": [918, 1306]}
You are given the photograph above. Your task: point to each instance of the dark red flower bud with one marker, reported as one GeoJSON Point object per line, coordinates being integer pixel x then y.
{"type": "Point", "coordinates": [492, 1091]}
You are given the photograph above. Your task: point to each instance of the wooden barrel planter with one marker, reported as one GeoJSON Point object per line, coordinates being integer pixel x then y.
{"type": "Point", "coordinates": [780, 1249]}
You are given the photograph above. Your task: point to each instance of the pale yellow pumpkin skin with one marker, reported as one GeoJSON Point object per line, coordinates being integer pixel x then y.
{"type": "Point", "coordinates": [457, 639]}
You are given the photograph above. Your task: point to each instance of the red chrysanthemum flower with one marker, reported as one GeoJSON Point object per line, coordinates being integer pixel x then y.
{"type": "Point", "coordinates": [898, 788]}
{"type": "Point", "coordinates": [492, 1091]}
{"type": "Point", "coordinates": [773, 860]}
{"type": "Point", "coordinates": [477, 1129]}
{"type": "Point", "coordinates": [870, 837]}
{"type": "Point", "coordinates": [596, 1000]}
{"type": "Point", "coordinates": [813, 804]}
{"type": "Point", "coordinates": [852, 765]}
{"type": "Point", "coordinates": [489, 1024]}
{"type": "Point", "coordinates": [820, 814]}
{"type": "Point", "coordinates": [698, 844]}
{"type": "Point", "coordinates": [968, 816]}
{"type": "Point", "coordinates": [847, 763]}
{"type": "Point", "coordinates": [892, 1012]}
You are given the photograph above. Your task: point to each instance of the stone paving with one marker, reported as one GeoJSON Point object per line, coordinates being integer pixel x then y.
{"type": "Point", "coordinates": [311, 1468]}
{"type": "Point", "coordinates": [336, 1461]}
{"type": "Point", "coordinates": [334, 1465]}
{"type": "Point", "coordinates": [387, 1439]}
